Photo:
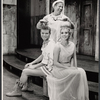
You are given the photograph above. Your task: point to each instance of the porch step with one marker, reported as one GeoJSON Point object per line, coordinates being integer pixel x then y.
{"type": "Point", "coordinates": [14, 65]}
{"type": "Point", "coordinates": [28, 55]}
{"type": "Point", "coordinates": [89, 65]}
{"type": "Point", "coordinates": [84, 62]}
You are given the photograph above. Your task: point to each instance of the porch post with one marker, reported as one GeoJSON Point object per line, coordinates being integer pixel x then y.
{"type": "Point", "coordinates": [97, 35]}
{"type": "Point", "coordinates": [64, 7]}
{"type": "Point", "coordinates": [47, 7]}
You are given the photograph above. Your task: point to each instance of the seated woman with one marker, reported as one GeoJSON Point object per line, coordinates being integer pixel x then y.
{"type": "Point", "coordinates": [66, 81]}
{"type": "Point", "coordinates": [40, 66]}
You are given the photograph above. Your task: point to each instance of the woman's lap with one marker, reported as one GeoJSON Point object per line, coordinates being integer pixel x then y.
{"type": "Point", "coordinates": [62, 73]}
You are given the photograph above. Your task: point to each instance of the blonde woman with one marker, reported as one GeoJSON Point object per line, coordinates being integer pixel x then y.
{"type": "Point", "coordinates": [66, 81]}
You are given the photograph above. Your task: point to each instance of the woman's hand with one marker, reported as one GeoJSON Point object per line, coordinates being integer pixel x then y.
{"type": "Point", "coordinates": [32, 67]}
{"type": "Point", "coordinates": [43, 22]}
{"type": "Point", "coordinates": [27, 65]}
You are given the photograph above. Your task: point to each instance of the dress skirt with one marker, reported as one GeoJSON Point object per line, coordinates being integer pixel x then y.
{"type": "Point", "coordinates": [67, 84]}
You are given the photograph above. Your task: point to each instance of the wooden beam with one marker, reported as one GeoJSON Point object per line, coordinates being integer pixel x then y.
{"type": "Point", "coordinates": [47, 7]}
{"type": "Point", "coordinates": [75, 41]}
{"type": "Point", "coordinates": [97, 35]}
{"type": "Point", "coordinates": [64, 7]}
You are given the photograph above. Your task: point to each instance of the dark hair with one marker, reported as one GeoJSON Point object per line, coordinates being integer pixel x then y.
{"type": "Point", "coordinates": [46, 28]}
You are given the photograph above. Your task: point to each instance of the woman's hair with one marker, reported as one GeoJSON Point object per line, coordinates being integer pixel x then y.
{"type": "Point", "coordinates": [66, 25]}
{"type": "Point", "coordinates": [46, 28]}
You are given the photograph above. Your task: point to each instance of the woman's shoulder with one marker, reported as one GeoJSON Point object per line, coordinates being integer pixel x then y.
{"type": "Point", "coordinates": [47, 16]}
{"type": "Point", "coordinates": [72, 44]}
{"type": "Point", "coordinates": [51, 42]}
{"type": "Point", "coordinates": [57, 45]}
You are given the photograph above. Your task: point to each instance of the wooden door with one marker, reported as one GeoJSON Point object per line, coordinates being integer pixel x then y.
{"type": "Point", "coordinates": [23, 23]}
{"type": "Point", "coordinates": [87, 34]}
{"type": "Point", "coordinates": [38, 11]}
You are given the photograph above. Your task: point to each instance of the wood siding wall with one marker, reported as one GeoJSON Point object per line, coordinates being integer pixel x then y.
{"type": "Point", "coordinates": [38, 10]}
{"type": "Point", "coordinates": [72, 10]}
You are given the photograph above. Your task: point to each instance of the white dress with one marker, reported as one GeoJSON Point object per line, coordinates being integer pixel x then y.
{"type": "Point", "coordinates": [67, 84]}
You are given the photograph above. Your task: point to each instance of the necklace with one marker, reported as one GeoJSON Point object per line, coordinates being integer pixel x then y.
{"type": "Point", "coordinates": [55, 18]}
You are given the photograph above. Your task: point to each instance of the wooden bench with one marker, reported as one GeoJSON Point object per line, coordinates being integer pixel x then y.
{"type": "Point", "coordinates": [89, 67]}
{"type": "Point", "coordinates": [93, 87]}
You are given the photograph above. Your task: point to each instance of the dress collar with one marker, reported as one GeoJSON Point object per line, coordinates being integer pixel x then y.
{"type": "Point", "coordinates": [55, 18]}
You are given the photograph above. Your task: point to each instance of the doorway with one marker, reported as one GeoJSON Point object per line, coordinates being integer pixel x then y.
{"type": "Point", "coordinates": [88, 28]}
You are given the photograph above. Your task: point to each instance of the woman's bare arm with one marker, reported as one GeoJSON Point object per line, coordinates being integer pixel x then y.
{"type": "Point", "coordinates": [37, 60]}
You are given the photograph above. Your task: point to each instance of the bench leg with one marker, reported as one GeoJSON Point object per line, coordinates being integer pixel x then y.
{"type": "Point", "coordinates": [45, 87]}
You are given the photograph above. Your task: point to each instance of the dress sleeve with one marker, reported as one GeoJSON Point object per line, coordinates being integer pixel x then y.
{"type": "Point", "coordinates": [45, 58]}
{"type": "Point", "coordinates": [48, 53]}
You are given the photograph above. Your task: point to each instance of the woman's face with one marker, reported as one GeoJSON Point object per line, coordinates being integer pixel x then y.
{"type": "Point", "coordinates": [65, 33]}
{"type": "Point", "coordinates": [58, 8]}
{"type": "Point", "coordinates": [45, 34]}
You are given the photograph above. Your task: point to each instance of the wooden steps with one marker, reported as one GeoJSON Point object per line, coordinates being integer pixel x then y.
{"type": "Point", "coordinates": [16, 64]}
{"type": "Point", "coordinates": [13, 61]}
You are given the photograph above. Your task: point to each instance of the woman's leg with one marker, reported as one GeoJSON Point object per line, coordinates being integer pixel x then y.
{"type": "Point", "coordinates": [30, 72]}
{"type": "Point", "coordinates": [23, 79]}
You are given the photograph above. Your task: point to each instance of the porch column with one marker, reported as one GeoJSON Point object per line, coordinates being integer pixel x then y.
{"type": "Point", "coordinates": [64, 7]}
{"type": "Point", "coordinates": [97, 35]}
{"type": "Point", "coordinates": [47, 7]}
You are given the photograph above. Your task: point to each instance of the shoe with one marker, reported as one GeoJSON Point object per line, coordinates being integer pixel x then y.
{"type": "Point", "coordinates": [17, 90]}
{"type": "Point", "coordinates": [14, 94]}
{"type": "Point", "coordinates": [25, 87]}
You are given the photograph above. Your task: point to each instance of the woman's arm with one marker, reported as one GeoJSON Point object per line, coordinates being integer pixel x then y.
{"type": "Point", "coordinates": [37, 60]}
{"type": "Point", "coordinates": [68, 19]}
{"type": "Point", "coordinates": [35, 66]}
{"type": "Point", "coordinates": [56, 57]}
{"type": "Point", "coordinates": [74, 59]}
{"type": "Point", "coordinates": [72, 62]}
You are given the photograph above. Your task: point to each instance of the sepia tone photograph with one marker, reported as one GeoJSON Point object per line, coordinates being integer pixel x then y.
{"type": "Point", "coordinates": [50, 49]}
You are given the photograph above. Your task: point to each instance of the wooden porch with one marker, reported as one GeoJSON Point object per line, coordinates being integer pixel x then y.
{"type": "Point", "coordinates": [15, 64]}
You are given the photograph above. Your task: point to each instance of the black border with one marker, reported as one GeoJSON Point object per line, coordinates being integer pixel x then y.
{"type": "Point", "coordinates": [1, 7]}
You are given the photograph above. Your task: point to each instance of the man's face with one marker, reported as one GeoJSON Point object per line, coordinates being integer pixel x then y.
{"type": "Point", "coordinates": [58, 8]}
{"type": "Point", "coordinates": [45, 34]}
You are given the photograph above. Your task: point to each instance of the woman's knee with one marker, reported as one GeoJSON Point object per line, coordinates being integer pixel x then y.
{"type": "Point", "coordinates": [81, 70]}
{"type": "Point", "coordinates": [25, 71]}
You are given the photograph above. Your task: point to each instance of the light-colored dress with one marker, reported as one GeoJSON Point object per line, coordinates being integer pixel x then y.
{"type": "Point", "coordinates": [67, 83]}
{"type": "Point", "coordinates": [54, 23]}
{"type": "Point", "coordinates": [47, 52]}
